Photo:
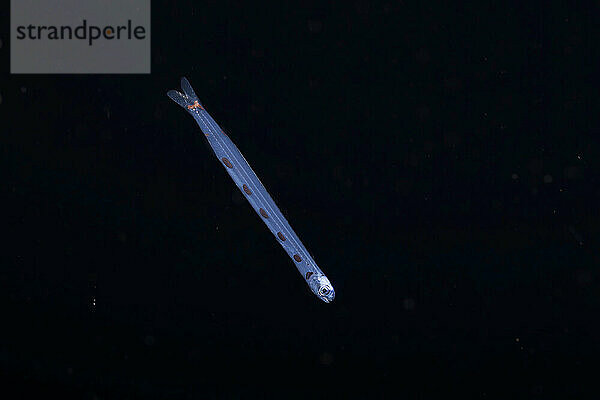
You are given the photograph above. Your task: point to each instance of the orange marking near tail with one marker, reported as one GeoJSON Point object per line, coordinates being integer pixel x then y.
{"type": "Point", "coordinates": [195, 105]}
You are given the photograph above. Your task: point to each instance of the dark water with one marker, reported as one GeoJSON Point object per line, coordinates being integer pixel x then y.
{"type": "Point", "coordinates": [439, 162]}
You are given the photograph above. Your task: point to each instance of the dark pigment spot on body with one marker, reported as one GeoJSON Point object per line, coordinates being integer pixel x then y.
{"type": "Point", "coordinates": [226, 162]}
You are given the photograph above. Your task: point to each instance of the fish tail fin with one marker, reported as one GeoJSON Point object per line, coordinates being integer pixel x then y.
{"type": "Point", "coordinates": [188, 98]}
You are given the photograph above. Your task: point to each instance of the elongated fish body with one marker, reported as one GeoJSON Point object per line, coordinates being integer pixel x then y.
{"type": "Point", "coordinates": [246, 180]}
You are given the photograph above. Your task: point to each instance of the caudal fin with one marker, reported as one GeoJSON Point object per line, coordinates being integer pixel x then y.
{"type": "Point", "coordinates": [188, 98]}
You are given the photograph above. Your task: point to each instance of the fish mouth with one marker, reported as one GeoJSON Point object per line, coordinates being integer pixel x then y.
{"type": "Point", "coordinates": [329, 297]}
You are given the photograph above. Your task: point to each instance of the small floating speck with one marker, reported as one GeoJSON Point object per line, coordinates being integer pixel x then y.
{"type": "Point", "coordinates": [315, 26]}
{"type": "Point", "coordinates": [149, 340]}
{"type": "Point", "coordinates": [23, 89]}
{"type": "Point", "coordinates": [515, 176]}
{"type": "Point", "coordinates": [547, 178]}
{"type": "Point", "coordinates": [326, 359]}
{"type": "Point", "coordinates": [409, 304]}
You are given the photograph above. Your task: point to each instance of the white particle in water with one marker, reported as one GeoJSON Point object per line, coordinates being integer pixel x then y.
{"type": "Point", "coordinates": [326, 359]}
{"type": "Point", "coordinates": [409, 304]}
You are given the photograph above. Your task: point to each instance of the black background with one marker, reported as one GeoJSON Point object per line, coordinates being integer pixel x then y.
{"type": "Point", "coordinates": [439, 162]}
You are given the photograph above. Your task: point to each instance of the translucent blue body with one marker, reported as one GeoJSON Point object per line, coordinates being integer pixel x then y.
{"type": "Point", "coordinates": [251, 187]}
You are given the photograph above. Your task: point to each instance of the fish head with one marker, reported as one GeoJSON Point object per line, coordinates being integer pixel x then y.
{"type": "Point", "coordinates": [321, 287]}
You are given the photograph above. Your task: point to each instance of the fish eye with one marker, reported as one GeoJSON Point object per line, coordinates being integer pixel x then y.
{"type": "Point", "coordinates": [324, 291]}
